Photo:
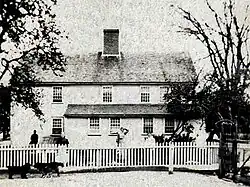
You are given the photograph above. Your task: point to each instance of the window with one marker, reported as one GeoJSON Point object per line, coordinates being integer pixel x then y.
{"type": "Point", "coordinates": [114, 124]}
{"type": "Point", "coordinates": [57, 94]}
{"type": "Point", "coordinates": [169, 125]}
{"type": "Point", "coordinates": [94, 125]}
{"type": "Point", "coordinates": [145, 94]}
{"type": "Point", "coordinates": [107, 94]}
{"type": "Point", "coordinates": [57, 126]}
{"type": "Point", "coordinates": [164, 90]}
{"type": "Point", "coordinates": [147, 125]}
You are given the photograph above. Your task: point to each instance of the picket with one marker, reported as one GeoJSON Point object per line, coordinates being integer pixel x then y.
{"type": "Point", "coordinates": [178, 154]}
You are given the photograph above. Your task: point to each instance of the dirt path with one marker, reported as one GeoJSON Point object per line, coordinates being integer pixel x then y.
{"type": "Point", "coordinates": [120, 179]}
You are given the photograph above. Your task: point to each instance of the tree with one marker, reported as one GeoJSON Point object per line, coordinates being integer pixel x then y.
{"type": "Point", "coordinates": [28, 42]}
{"type": "Point", "coordinates": [224, 94]}
{"type": "Point", "coordinates": [182, 102]}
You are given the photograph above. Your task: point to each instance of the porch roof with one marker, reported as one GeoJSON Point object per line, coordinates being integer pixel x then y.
{"type": "Point", "coordinates": [115, 110]}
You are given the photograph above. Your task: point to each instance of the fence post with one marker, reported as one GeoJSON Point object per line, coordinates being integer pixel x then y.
{"type": "Point", "coordinates": [234, 152]}
{"type": "Point", "coordinates": [171, 158]}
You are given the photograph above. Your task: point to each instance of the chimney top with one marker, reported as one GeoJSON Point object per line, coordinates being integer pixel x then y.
{"type": "Point", "coordinates": [111, 42]}
{"type": "Point", "coordinates": [111, 30]}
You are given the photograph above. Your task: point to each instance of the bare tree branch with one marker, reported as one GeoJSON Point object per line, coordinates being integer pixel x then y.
{"type": "Point", "coordinates": [226, 43]}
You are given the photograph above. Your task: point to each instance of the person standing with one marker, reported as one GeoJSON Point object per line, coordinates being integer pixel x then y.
{"type": "Point", "coordinates": [121, 136]}
{"type": "Point", "coordinates": [34, 138]}
{"type": "Point", "coordinates": [33, 141]}
{"type": "Point", "coordinates": [120, 140]}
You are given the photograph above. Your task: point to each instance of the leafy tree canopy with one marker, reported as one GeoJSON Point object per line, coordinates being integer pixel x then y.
{"type": "Point", "coordinates": [28, 42]}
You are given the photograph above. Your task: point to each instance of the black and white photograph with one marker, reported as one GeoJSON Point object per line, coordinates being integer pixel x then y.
{"type": "Point", "coordinates": [121, 93]}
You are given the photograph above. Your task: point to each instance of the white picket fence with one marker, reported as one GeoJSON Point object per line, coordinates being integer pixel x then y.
{"type": "Point", "coordinates": [177, 155]}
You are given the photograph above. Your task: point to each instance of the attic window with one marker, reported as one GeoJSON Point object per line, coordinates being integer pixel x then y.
{"type": "Point", "coordinates": [111, 42]}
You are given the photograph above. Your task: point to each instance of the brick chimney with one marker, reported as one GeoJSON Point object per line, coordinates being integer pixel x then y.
{"type": "Point", "coordinates": [111, 42]}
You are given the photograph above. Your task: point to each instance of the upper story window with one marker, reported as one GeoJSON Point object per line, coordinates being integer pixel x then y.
{"type": "Point", "coordinates": [107, 94]}
{"type": "Point", "coordinates": [148, 125]}
{"type": "Point", "coordinates": [94, 125]}
{"type": "Point", "coordinates": [115, 124]}
{"type": "Point", "coordinates": [169, 125]}
{"type": "Point", "coordinates": [163, 91]}
{"type": "Point", "coordinates": [57, 94]}
{"type": "Point", "coordinates": [57, 126]}
{"type": "Point", "coordinates": [145, 94]}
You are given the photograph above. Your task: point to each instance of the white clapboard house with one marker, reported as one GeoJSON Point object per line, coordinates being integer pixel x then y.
{"type": "Point", "coordinates": [103, 91]}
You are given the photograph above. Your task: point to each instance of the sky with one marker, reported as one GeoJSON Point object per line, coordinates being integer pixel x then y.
{"type": "Point", "coordinates": [145, 25]}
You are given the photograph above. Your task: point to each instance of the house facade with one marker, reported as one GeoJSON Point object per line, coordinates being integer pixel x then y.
{"type": "Point", "coordinates": [103, 91]}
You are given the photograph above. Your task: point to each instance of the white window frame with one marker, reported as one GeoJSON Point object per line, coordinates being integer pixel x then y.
{"type": "Point", "coordinates": [115, 129]}
{"type": "Point", "coordinates": [145, 93]}
{"type": "Point", "coordinates": [94, 130]}
{"type": "Point", "coordinates": [164, 90]}
{"type": "Point", "coordinates": [169, 126]}
{"type": "Point", "coordinates": [58, 126]}
{"type": "Point", "coordinates": [110, 91]}
{"type": "Point", "coordinates": [56, 94]}
{"type": "Point", "coordinates": [143, 125]}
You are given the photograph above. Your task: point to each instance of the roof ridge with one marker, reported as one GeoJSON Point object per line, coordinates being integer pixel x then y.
{"type": "Point", "coordinates": [135, 104]}
{"type": "Point", "coordinates": [186, 53]}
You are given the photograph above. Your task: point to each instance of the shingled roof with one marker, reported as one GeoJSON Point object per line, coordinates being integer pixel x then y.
{"type": "Point", "coordinates": [91, 68]}
{"type": "Point", "coordinates": [115, 110]}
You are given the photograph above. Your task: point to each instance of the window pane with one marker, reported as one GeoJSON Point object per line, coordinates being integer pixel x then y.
{"type": "Point", "coordinates": [94, 125]}
{"type": "Point", "coordinates": [57, 126]}
{"type": "Point", "coordinates": [57, 94]}
{"type": "Point", "coordinates": [145, 88]}
{"type": "Point", "coordinates": [114, 124]}
{"type": "Point", "coordinates": [56, 131]}
{"type": "Point", "coordinates": [107, 94]}
{"type": "Point", "coordinates": [145, 97]}
{"type": "Point", "coordinates": [169, 125]}
{"type": "Point", "coordinates": [145, 94]}
{"type": "Point", "coordinates": [148, 125]}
